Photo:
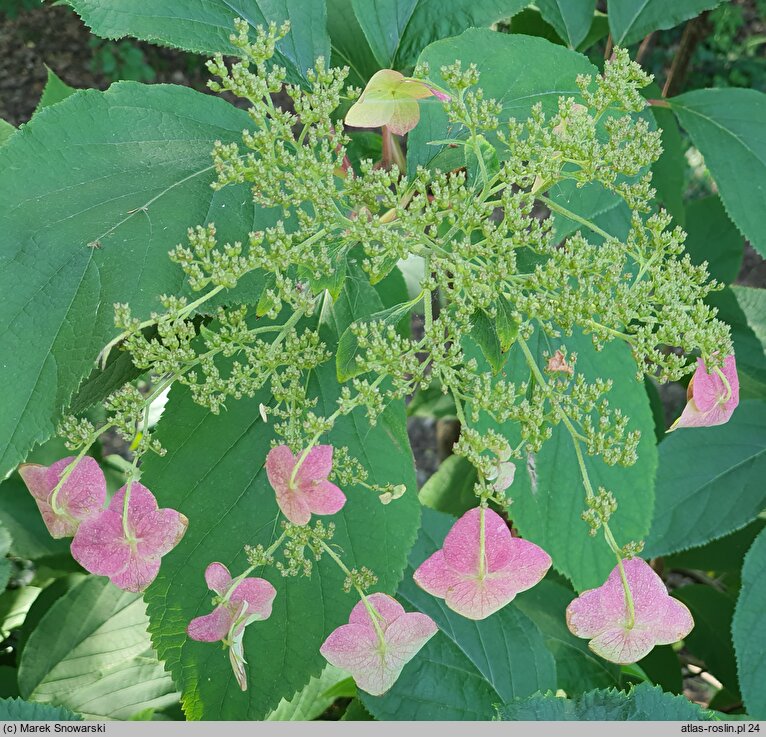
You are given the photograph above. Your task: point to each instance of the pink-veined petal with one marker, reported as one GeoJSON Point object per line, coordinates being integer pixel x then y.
{"type": "Point", "coordinates": [158, 533]}
{"type": "Point", "coordinates": [279, 467]}
{"type": "Point", "coordinates": [672, 622]}
{"type": "Point", "coordinates": [435, 576]}
{"type": "Point", "coordinates": [84, 492]}
{"type": "Point", "coordinates": [137, 574]}
{"type": "Point", "coordinates": [325, 498]}
{"type": "Point", "coordinates": [218, 578]}
{"type": "Point", "coordinates": [388, 608]}
{"type": "Point", "coordinates": [35, 477]}
{"type": "Point", "coordinates": [621, 646]}
{"type": "Point", "coordinates": [315, 467]}
{"type": "Point", "coordinates": [99, 544]}
{"type": "Point", "coordinates": [462, 544]}
{"type": "Point", "coordinates": [405, 117]}
{"type": "Point", "coordinates": [258, 594]}
{"type": "Point", "coordinates": [294, 506]}
{"type": "Point", "coordinates": [211, 627]}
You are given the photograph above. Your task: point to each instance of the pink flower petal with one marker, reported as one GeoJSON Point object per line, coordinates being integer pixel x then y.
{"type": "Point", "coordinates": [212, 627]}
{"type": "Point", "coordinates": [602, 615]}
{"type": "Point", "coordinates": [710, 401]}
{"type": "Point", "coordinates": [99, 545]}
{"type": "Point", "coordinates": [159, 532]}
{"type": "Point", "coordinates": [294, 506]}
{"type": "Point", "coordinates": [351, 647]}
{"type": "Point", "coordinates": [82, 496]}
{"type": "Point", "coordinates": [461, 546]}
{"type": "Point", "coordinates": [388, 608]}
{"type": "Point", "coordinates": [435, 576]}
{"type": "Point", "coordinates": [316, 466]}
{"type": "Point", "coordinates": [218, 578]}
{"type": "Point", "coordinates": [279, 467]}
{"type": "Point", "coordinates": [137, 575]}
{"type": "Point", "coordinates": [326, 498]}
{"type": "Point", "coordinates": [258, 594]}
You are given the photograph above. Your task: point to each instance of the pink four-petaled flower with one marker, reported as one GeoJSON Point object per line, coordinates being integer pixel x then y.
{"type": "Point", "coordinates": [81, 496]}
{"type": "Point", "coordinates": [307, 491]}
{"type": "Point", "coordinates": [602, 615]}
{"type": "Point", "coordinates": [711, 397]}
{"type": "Point", "coordinates": [250, 600]}
{"type": "Point", "coordinates": [375, 656]}
{"type": "Point", "coordinates": [479, 571]}
{"type": "Point", "coordinates": [129, 554]}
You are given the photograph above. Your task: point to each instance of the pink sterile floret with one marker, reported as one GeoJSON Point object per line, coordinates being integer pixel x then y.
{"type": "Point", "coordinates": [249, 601]}
{"type": "Point", "coordinates": [309, 492]}
{"type": "Point", "coordinates": [475, 589]}
{"type": "Point", "coordinates": [709, 400]}
{"type": "Point", "coordinates": [82, 495]}
{"type": "Point", "coordinates": [131, 560]}
{"type": "Point", "coordinates": [601, 615]}
{"type": "Point", "coordinates": [357, 648]}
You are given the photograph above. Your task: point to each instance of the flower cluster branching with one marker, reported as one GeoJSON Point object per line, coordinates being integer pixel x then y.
{"type": "Point", "coordinates": [489, 255]}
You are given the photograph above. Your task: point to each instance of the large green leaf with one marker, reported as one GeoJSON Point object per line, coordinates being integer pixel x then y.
{"type": "Point", "coordinates": [727, 126]}
{"type": "Point", "coordinates": [709, 481]}
{"type": "Point", "coordinates": [312, 701]}
{"type": "Point", "coordinates": [5, 564]}
{"type": "Point", "coordinates": [18, 710]}
{"type": "Point", "coordinates": [349, 45]}
{"type": "Point", "coordinates": [6, 131]}
{"type": "Point", "coordinates": [55, 91]}
{"type": "Point", "coordinates": [631, 20]}
{"type": "Point", "coordinates": [205, 26]}
{"type": "Point", "coordinates": [518, 71]}
{"type": "Point", "coordinates": [119, 175]}
{"type": "Point", "coordinates": [712, 237]}
{"type": "Point", "coordinates": [753, 304]}
{"type": "Point", "coordinates": [547, 510]}
{"type": "Point", "coordinates": [468, 666]}
{"type": "Point", "coordinates": [214, 474]}
{"type": "Point", "coordinates": [398, 30]}
{"type": "Point", "coordinates": [91, 653]}
{"type": "Point", "coordinates": [641, 703]}
{"type": "Point", "coordinates": [572, 19]}
{"type": "Point", "coordinates": [748, 632]}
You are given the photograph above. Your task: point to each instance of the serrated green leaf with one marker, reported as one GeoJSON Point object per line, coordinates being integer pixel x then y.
{"type": "Point", "coordinates": [663, 668]}
{"type": "Point", "coordinates": [726, 125]}
{"type": "Point", "coordinates": [130, 173]}
{"type": "Point", "coordinates": [18, 710]}
{"type": "Point", "coordinates": [55, 90]}
{"type": "Point", "coordinates": [712, 237]}
{"type": "Point", "coordinates": [6, 131]}
{"type": "Point", "coordinates": [547, 504]}
{"type": "Point", "coordinates": [753, 304]}
{"type": "Point", "coordinates": [91, 653]}
{"type": "Point", "coordinates": [748, 632]}
{"type": "Point", "coordinates": [215, 476]}
{"type": "Point", "coordinates": [641, 703]}
{"type": "Point", "coordinates": [205, 27]}
{"type": "Point", "coordinates": [709, 481]}
{"type": "Point", "coordinates": [312, 700]}
{"type": "Point", "coordinates": [578, 669]}
{"type": "Point", "coordinates": [398, 30]}
{"type": "Point", "coordinates": [14, 606]}
{"type": "Point", "coordinates": [631, 20]}
{"type": "Point", "coordinates": [468, 666]}
{"type": "Point", "coordinates": [484, 333]}
{"type": "Point", "coordinates": [572, 19]}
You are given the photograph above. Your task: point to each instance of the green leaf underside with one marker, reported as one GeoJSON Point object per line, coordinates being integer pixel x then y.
{"type": "Point", "coordinates": [748, 632]}
{"type": "Point", "coordinates": [312, 701]}
{"type": "Point", "coordinates": [467, 667]}
{"type": "Point", "coordinates": [121, 176]}
{"type": "Point", "coordinates": [91, 653]}
{"type": "Point", "coordinates": [397, 30]}
{"type": "Point", "coordinates": [712, 237]}
{"type": "Point", "coordinates": [18, 710]}
{"type": "Point", "coordinates": [214, 474]}
{"type": "Point", "coordinates": [204, 26]}
{"type": "Point", "coordinates": [55, 91]}
{"type": "Point", "coordinates": [727, 125]}
{"type": "Point", "coordinates": [547, 512]}
{"type": "Point", "coordinates": [709, 481]}
{"type": "Point", "coordinates": [631, 20]}
{"type": "Point", "coordinates": [641, 703]}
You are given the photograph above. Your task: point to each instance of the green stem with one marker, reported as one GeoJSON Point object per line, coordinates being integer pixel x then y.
{"type": "Point", "coordinates": [555, 207]}
{"type": "Point", "coordinates": [375, 617]}
{"type": "Point", "coordinates": [726, 384]}
{"type": "Point", "coordinates": [242, 576]}
{"type": "Point", "coordinates": [589, 492]}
